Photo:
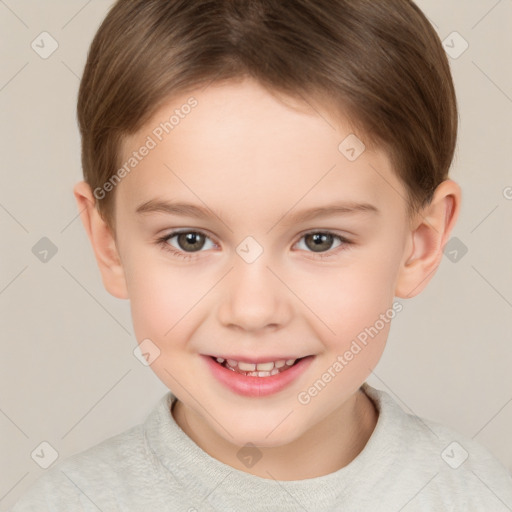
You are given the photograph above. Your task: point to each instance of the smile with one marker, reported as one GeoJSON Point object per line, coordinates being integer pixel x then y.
{"type": "Point", "coordinates": [257, 369]}
{"type": "Point", "coordinates": [256, 379]}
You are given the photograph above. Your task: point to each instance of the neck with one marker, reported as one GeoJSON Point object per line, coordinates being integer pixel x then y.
{"type": "Point", "coordinates": [328, 446]}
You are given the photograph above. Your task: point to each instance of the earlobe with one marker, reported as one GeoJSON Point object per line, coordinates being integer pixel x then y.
{"type": "Point", "coordinates": [427, 240]}
{"type": "Point", "coordinates": [102, 241]}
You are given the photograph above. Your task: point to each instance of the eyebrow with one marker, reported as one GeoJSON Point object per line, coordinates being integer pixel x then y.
{"type": "Point", "coordinates": [182, 209]}
{"type": "Point", "coordinates": [347, 208]}
{"type": "Point", "coordinates": [202, 212]}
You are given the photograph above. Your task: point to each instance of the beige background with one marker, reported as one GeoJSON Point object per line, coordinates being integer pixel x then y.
{"type": "Point", "coordinates": [68, 375]}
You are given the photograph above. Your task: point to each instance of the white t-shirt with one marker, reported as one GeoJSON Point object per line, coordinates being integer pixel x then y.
{"type": "Point", "coordinates": [408, 465]}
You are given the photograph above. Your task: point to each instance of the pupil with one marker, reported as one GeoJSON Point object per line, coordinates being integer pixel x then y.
{"type": "Point", "coordinates": [321, 241]}
{"type": "Point", "coordinates": [188, 241]}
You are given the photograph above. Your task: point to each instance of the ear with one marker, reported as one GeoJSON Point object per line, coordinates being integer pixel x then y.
{"type": "Point", "coordinates": [102, 241]}
{"type": "Point", "coordinates": [430, 231]}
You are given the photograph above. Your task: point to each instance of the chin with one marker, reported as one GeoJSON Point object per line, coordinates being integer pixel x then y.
{"type": "Point", "coordinates": [269, 434]}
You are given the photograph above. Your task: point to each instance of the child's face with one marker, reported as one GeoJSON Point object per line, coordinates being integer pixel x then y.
{"type": "Point", "coordinates": [259, 165]}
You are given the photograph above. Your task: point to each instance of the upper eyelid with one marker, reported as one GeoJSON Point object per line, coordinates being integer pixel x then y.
{"type": "Point", "coordinates": [177, 232]}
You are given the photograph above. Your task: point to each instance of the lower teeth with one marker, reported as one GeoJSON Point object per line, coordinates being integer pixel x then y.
{"type": "Point", "coordinates": [274, 371]}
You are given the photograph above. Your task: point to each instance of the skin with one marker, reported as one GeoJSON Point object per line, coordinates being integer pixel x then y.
{"type": "Point", "coordinates": [256, 160]}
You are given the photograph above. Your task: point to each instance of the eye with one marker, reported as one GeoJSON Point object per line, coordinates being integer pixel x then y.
{"type": "Point", "coordinates": [185, 243]}
{"type": "Point", "coordinates": [320, 242]}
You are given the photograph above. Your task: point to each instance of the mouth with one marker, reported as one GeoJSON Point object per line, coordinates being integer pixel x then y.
{"type": "Point", "coordinates": [266, 369]}
{"type": "Point", "coordinates": [257, 379]}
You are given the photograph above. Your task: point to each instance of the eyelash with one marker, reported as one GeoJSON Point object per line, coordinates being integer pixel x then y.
{"type": "Point", "coordinates": [163, 242]}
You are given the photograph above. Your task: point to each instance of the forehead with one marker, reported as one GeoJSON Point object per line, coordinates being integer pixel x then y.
{"type": "Point", "coordinates": [241, 144]}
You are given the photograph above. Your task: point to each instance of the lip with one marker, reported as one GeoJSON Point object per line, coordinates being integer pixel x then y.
{"type": "Point", "coordinates": [257, 386]}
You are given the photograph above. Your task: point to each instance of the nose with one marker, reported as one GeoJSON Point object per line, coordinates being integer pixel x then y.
{"type": "Point", "coordinates": [252, 298]}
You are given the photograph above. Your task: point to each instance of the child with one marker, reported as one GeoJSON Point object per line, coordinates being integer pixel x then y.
{"type": "Point", "coordinates": [260, 131]}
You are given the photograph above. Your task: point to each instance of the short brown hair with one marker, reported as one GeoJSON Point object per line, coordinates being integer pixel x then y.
{"type": "Point", "coordinates": [380, 63]}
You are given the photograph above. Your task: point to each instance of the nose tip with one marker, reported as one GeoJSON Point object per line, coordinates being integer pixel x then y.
{"type": "Point", "coordinates": [253, 299]}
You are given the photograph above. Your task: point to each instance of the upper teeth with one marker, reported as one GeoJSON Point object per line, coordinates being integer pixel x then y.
{"type": "Point", "coordinates": [251, 367]}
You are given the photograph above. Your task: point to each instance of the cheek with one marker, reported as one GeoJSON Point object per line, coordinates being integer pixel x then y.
{"type": "Point", "coordinates": [163, 297]}
{"type": "Point", "coordinates": [352, 297]}
{"type": "Point", "coordinates": [356, 302]}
